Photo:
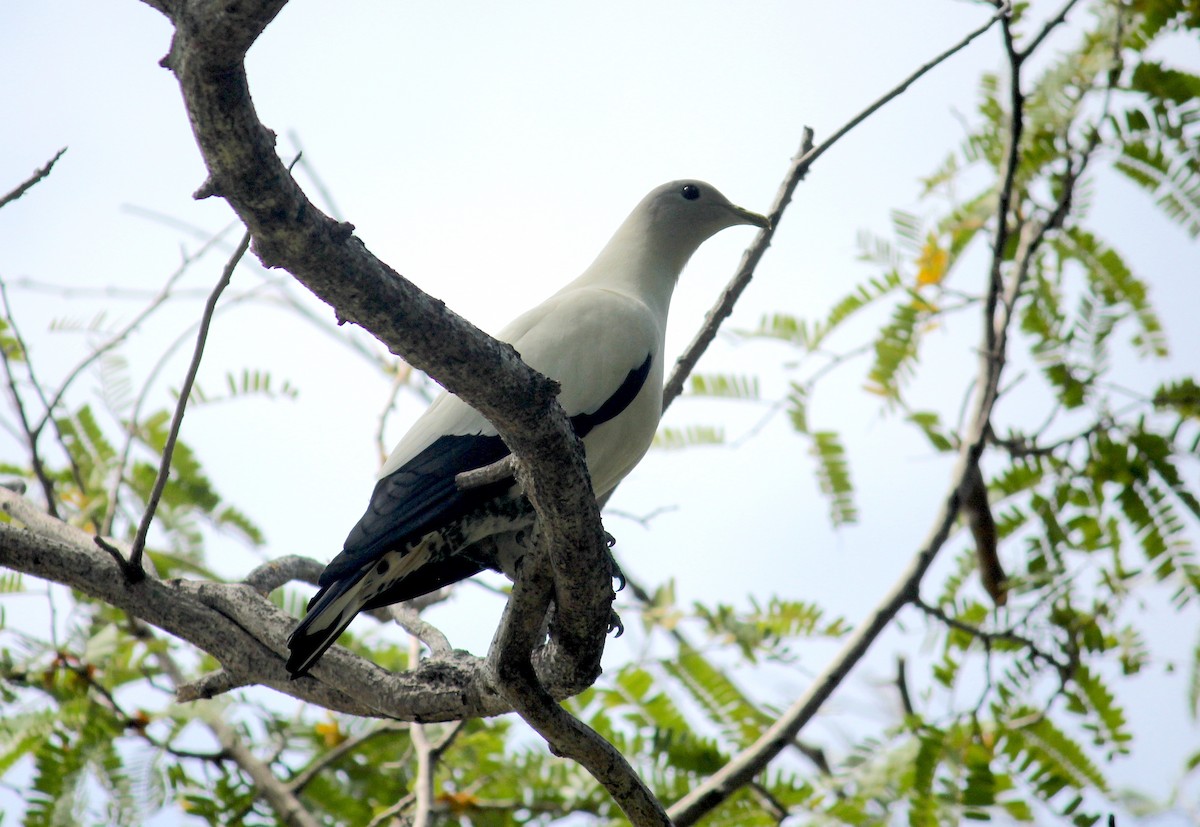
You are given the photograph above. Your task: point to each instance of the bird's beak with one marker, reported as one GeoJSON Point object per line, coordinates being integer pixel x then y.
{"type": "Point", "coordinates": [747, 217]}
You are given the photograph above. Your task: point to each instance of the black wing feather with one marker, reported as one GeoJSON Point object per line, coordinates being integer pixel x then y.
{"type": "Point", "coordinates": [417, 498]}
{"type": "Point", "coordinates": [422, 495]}
{"type": "Point", "coordinates": [584, 423]}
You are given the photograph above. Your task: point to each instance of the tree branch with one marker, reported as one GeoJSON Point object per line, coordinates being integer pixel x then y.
{"type": "Point", "coordinates": [206, 56]}
{"type": "Point", "coordinates": [247, 634]}
{"type": "Point", "coordinates": [996, 319]}
{"type": "Point", "coordinates": [30, 435]}
{"type": "Point", "coordinates": [799, 168]}
{"type": "Point", "coordinates": [567, 736]}
{"type": "Point", "coordinates": [133, 566]}
{"type": "Point", "coordinates": [37, 176]}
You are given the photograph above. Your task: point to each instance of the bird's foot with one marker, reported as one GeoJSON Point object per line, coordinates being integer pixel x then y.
{"type": "Point", "coordinates": [614, 622]}
{"type": "Point", "coordinates": [615, 572]}
{"type": "Point", "coordinates": [614, 568]}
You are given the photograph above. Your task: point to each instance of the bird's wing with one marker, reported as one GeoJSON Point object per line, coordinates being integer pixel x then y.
{"type": "Point", "coordinates": [589, 340]}
{"type": "Point", "coordinates": [597, 343]}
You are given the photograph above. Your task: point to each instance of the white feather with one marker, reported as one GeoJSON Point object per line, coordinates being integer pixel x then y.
{"type": "Point", "coordinates": [590, 334]}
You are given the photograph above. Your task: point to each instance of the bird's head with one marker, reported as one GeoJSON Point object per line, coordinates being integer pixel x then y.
{"type": "Point", "coordinates": [690, 212]}
{"type": "Point", "coordinates": [650, 249]}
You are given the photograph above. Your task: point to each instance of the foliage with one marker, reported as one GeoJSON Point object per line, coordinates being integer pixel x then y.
{"type": "Point", "coordinates": [1017, 715]}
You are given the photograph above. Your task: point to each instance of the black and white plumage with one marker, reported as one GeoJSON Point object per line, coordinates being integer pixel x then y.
{"type": "Point", "coordinates": [601, 337]}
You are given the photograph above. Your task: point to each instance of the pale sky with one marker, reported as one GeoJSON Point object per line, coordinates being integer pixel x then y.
{"type": "Point", "coordinates": [487, 152]}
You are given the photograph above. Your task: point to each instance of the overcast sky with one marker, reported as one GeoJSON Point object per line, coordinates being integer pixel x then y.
{"type": "Point", "coordinates": [487, 151]}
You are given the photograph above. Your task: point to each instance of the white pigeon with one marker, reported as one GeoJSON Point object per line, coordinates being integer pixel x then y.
{"type": "Point", "coordinates": [602, 338]}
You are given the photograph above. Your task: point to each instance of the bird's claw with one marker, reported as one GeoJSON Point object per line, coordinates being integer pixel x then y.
{"type": "Point", "coordinates": [614, 569]}
{"type": "Point", "coordinates": [614, 622]}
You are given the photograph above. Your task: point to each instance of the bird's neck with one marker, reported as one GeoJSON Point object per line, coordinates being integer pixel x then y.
{"type": "Point", "coordinates": [638, 263]}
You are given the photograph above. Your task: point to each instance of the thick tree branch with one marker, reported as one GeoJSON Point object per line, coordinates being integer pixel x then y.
{"type": "Point", "coordinates": [206, 55]}
{"type": "Point", "coordinates": [247, 634]}
{"type": "Point", "coordinates": [567, 736]}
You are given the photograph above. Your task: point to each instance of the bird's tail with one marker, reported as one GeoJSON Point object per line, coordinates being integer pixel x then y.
{"type": "Point", "coordinates": [329, 613]}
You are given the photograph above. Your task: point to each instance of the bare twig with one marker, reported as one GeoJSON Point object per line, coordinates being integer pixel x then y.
{"type": "Point", "coordinates": [498, 471]}
{"type": "Point", "coordinates": [327, 759]}
{"type": "Point", "coordinates": [1049, 26]}
{"type": "Point", "coordinates": [35, 458]}
{"type": "Point", "coordinates": [313, 176]}
{"type": "Point", "coordinates": [133, 567]}
{"type": "Point", "coordinates": [386, 815]}
{"type": "Point", "coordinates": [742, 769]}
{"type": "Point", "coordinates": [737, 285]}
{"type": "Point", "coordinates": [803, 161]}
{"type": "Point", "coordinates": [32, 180]}
{"type": "Point", "coordinates": [423, 783]}
{"type": "Point", "coordinates": [902, 686]}
{"type": "Point", "coordinates": [271, 575]}
{"type": "Point", "coordinates": [121, 335]}
{"type": "Point", "coordinates": [420, 629]}
{"type": "Point", "coordinates": [988, 638]}
{"type": "Point", "coordinates": [266, 784]}
{"type": "Point", "coordinates": [134, 417]}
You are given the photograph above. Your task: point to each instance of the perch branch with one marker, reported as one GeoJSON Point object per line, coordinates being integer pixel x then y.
{"type": "Point", "coordinates": [567, 736]}
{"type": "Point", "coordinates": [207, 57]}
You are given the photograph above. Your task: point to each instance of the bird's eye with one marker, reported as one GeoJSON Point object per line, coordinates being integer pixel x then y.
{"type": "Point", "coordinates": [690, 191]}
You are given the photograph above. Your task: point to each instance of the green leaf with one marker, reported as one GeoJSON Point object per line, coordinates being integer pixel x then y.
{"type": "Point", "coordinates": [1181, 396]}
{"type": "Point", "coordinates": [895, 352]}
{"type": "Point", "coordinates": [931, 425]}
{"type": "Point", "coordinates": [725, 386]}
{"type": "Point", "coordinates": [833, 477]}
{"type": "Point", "coordinates": [923, 806]}
{"type": "Point", "coordinates": [726, 705]}
{"type": "Point", "coordinates": [673, 439]}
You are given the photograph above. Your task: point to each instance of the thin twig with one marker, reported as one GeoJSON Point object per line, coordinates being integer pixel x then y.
{"type": "Point", "coordinates": [32, 180]}
{"type": "Point", "coordinates": [1051, 25]}
{"type": "Point", "coordinates": [744, 766]}
{"type": "Point", "coordinates": [902, 686]}
{"type": "Point", "coordinates": [385, 816]}
{"type": "Point", "coordinates": [35, 459]}
{"type": "Point", "coordinates": [318, 183]}
{"type": "Point", "coordinates": [420, 629]}
{"type": "Point", "coordinates": [327, 759]}
{"type": "Point", "coordinates": [131, 430]}
{"type": "Point", "coordinates": [117, 338]}
{"type": "Point", "coordinates": [799, 168]}
{"type": "Point", "coordinates": [267, 785]}
{"type": "Point", "coordinates": [423, 783]}
{"type": "Point", "coordinates": [1009, 176]}
{"type": "Point", "coordinates": [988, 638]}
{"type": "Point", "coordinates": [133, 568]}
